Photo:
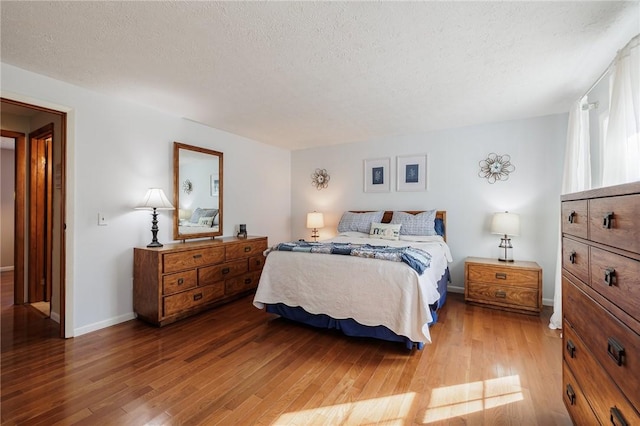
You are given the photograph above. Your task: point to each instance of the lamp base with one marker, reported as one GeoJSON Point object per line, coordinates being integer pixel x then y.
{"type": "Point", "coordinates": [154, 230]}
{"type": "Point", "coordinates": [505, 243]}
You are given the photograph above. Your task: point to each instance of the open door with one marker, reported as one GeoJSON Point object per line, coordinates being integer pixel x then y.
{"type": "Point", "coordinates": [40, 214]}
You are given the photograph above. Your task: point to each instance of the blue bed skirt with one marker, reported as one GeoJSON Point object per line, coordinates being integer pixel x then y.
{"type": "Point", "coordinates": [350, 327]}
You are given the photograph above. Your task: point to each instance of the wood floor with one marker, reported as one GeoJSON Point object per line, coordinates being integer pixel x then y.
{"type": "Point", "coordinates": [237, 365]}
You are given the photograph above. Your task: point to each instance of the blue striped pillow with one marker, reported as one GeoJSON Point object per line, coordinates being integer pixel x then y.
{"type": "Point", "coordinates": [415, 224]}
{"type": "Point", "coordinates": [359, 222]}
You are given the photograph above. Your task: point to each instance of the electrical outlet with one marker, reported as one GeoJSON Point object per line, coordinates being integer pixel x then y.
{"type": "Point", "coordinates": [102, 220]}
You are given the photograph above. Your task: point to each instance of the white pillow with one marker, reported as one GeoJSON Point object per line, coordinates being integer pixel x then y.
{"type": "Point", "coordinates": [205, 221]}
{"type": "Point", "coordinates": [385, 231]}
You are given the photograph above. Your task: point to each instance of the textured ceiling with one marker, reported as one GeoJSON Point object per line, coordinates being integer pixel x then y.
{"type": "Point", "coordinates": [303, 74]}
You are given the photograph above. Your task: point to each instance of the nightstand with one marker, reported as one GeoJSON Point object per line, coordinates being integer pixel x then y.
{"type": "Point", "coordinates": [509, 286]}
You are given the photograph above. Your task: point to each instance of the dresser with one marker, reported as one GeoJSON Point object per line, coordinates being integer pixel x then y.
{"type": "Point", "coordinates": [179, 280]}
{"type": "Point", "coordinates": [601, 305]}
{"type": "Point", "coordinates": [510, 286]}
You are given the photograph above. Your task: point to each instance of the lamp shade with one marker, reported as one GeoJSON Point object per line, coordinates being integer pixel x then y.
{"type": "Point", "coordinates": [505, 224]}
{"type": "Point", "coordinates": [315, 220]}
{"type": "Point", "coordinates": [155, 199]}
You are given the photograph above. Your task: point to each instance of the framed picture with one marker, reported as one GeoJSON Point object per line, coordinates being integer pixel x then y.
{"type": "Point", "coordinates": [376, 175]}
{"type": "Point", "coordinates": [412, 173]}
{"type": "Point", "coordinates": [215, 185]}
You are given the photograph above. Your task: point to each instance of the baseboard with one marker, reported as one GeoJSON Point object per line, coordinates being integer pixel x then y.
{"type": "Point", "coordinates": [55, 316]}
{"type": "Point", "coordinates": [6, 268]}
{"type": "Point", "coordinates": [455, 289]}
{"type": "Point", "coordinates": [102, 324]}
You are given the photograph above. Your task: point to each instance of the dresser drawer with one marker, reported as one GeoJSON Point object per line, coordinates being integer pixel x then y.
{"type": "Point", "coordinates": [503, 276]}
{"type": "Point", "coordinates": [613, 345]}
{"type": "Point", "coordinates": [173, 262]}
{"type": "Point", "coordinates": [575, 258]}
{"type": "Point", "coordinates": [179, 281]}
{"type": "Point", "coordinates": [212, 274]}
{"type": "Point", "coordinates": [256, 263]}
{"type": "Point", "coordinates": [503, 295]}
{"type": "Point", "coordinates": [574, 218]}
{"type": "Point", "coordinates": [617, 278]}
{"type": "Point", "coordinates": [245, 249]}
{"type": "Point", "coordinates": [574, 399]}
{"type": "Point", "coordinates": [243, 283]}
{"type": "Point", "coordinates": [615, 221]}
{"type": "Point", "coordinates": [186, 300]}
{"type": "Point", "coordinates": [597, 386]}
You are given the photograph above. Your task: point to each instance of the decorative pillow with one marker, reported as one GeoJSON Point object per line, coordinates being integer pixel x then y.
{"type": "Point", "coordinates": [205, 221]}
{"type": "Point", "coordinates": [359, 222]}
{"type": "Point", "coordinates": [415, 224]}
{"type": "Point", "coordinates": [385, 231]}
{"type": "Point", "coordinates": [198, 213]}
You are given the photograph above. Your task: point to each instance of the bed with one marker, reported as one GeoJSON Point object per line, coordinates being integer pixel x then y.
{"type": "Point", "coordinates": [360, 295]}
{"type": "Point", "coordinates": [200, 220]}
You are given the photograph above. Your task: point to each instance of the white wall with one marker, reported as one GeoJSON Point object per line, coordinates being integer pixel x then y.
{"type": "Point", "coordinates": [115, 151]}
{"type": "Point", "coordinates": [536, 147]}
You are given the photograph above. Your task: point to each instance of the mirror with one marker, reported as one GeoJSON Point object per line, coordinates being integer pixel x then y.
{"type": "Point", "coordinates": [197, 192]}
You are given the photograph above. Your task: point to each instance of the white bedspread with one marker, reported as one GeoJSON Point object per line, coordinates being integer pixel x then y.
{"type": "Point", "coordinates": [371, 291]}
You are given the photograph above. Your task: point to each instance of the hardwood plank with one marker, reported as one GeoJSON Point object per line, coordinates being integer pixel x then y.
{"type": "Point", "coordinates": [238, 365]}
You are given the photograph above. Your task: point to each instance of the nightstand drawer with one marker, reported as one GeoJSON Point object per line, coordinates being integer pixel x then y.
{"type": "Point", "coordinates": [503, 276]}
{"type": "Point", "coordinates": [507, 296]}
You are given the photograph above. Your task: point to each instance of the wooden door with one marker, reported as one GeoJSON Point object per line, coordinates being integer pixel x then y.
{"type": "Point", "coordinates": [40, 214]}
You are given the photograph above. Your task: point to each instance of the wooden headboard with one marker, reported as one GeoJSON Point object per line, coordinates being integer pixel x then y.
{"type": "Point", "coordinates": [388, 214]}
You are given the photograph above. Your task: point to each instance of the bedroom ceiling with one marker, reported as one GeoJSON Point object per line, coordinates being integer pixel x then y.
{"type": "Point", "coordinates": [305, 74]}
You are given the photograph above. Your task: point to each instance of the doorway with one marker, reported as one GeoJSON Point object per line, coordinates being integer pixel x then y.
{"type": "Point", "coordinates": [39, 237]}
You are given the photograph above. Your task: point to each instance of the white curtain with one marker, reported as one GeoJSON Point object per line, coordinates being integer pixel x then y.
{"type": "Point", "coordinates": [576, 177]}
{"type": "Point", "coordinates": [621, 151]}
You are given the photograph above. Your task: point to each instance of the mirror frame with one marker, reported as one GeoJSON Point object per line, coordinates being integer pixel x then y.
{"type": "Point", "coordinates": [177, 146]}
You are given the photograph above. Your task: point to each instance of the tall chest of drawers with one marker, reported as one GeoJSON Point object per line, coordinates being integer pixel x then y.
{"type": "Point", "coordinates": [179, 280]}
{"type": "Point", "coordinates": [601, 305]}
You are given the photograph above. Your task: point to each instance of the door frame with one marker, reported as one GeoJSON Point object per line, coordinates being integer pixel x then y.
{"type": "Point", "coordinates": [61, 175]}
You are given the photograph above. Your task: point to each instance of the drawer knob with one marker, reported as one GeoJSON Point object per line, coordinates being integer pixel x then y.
{"type": "Point", "coordinates": [607, 220]}
{"type": "Point", "coordinates": [615, 351]}
{"type": "Point", "coordinates": [610, 276]}
{"type": "Point", "coordinates": [572, 257]}
{"type": "Point", "coordinates": [500, 294]}
{"type": "Point", "coordinates": [197, 296]}
{"type": "Point", "coordinates": [571, 394]}
{"type": "Point", "coordinates": [501, 276]}
{"type": "Point", "coordinates": [571, 348]}
{"type": "Point", "coordinates": [197, 256]}
{"type": "Point", "coordinates": [247, 249]}
{"type": "Point", "coordinates": [225, 271]}
{"type": "Point", "coordinates": [616, 417]}
{"type": "Point", "coordinates": [572, 216]}
{"type": "Point", "coordinates": [180, 281]}
{"type": "Point", "coordinates": [247, 281]}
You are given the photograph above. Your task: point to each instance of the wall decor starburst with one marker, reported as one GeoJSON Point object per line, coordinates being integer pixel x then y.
{"type": "Point", "coordinates": [320, 179]}
{"type": "Point", "coordinates": [496, 167]}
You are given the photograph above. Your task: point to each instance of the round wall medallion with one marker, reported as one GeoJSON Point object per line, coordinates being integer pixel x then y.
{"type": "Point", "coordinates": [187, 186]}
{"type": "Point", "coordinates": [320, 179]}
{"type": "Point", "coordinates": [496, 167]}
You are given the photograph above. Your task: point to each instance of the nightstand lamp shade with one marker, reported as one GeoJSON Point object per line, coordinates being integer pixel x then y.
{"type": "Point", "coordinates": [315, 220]}
{"type": "Point", "coordinates": [506, 224]}
{"type": "Point", "coordinates": [155, 200]}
